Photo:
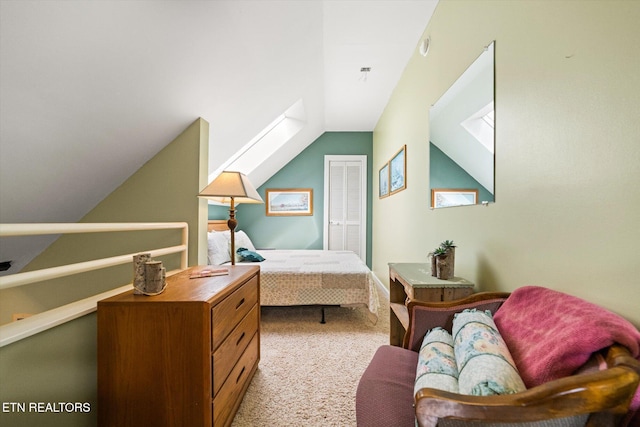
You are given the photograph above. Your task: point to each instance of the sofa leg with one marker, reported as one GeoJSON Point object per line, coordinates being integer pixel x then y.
{"type": "Point", "coordinates": [322, 319]}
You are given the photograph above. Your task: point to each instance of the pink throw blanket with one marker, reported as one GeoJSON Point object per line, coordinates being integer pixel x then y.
{"type": "Point", "coordinates": [551, 334]}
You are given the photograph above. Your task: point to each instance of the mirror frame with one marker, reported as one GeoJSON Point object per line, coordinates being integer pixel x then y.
{"type": "Point", "coordinates": [473, 160]}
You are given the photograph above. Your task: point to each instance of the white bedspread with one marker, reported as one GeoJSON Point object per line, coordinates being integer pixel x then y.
{"type": "Point", "coordinates": [316, 277]}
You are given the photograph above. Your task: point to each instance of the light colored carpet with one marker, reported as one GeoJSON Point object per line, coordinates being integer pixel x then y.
{"type": "Point", "coordinates": [308, 371]}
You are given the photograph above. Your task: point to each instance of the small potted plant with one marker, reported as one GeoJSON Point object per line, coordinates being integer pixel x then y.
{"type": "Point", "coordinates": [433, 258]}
{"type": "Point", "coordinates": [447, 244]}
{"type": "Point", "coordinates": [439, 252]}
{"type": "Point", "coordinates": [443, 264]}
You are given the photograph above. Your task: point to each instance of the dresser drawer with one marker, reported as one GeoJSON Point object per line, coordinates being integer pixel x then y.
{"type": "Point", "coordinates": [230, 350]}
{"type": "Point", "coordinates": [230, 395]}
{"type": "Point", "coordinates": [226, 315]}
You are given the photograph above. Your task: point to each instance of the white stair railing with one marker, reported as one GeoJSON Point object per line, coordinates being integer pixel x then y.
{"type": "Point", "coordinates": [32, 325]}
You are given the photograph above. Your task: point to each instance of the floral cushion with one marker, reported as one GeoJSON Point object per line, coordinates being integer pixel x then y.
{"type": "Point", "coordinates": [485, 365]}
{"type": "Point", "coordinates": [436, 362]}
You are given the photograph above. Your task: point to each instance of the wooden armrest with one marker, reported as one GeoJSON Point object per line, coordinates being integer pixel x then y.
{"type": "Point", "coordinates": [605, 394]}
{"type": "Point", "coordinates": [619, 355]}
{"type": "Point", "coordinates": [479, 297]}
{"type": "Point", "coordinates": [426, 315]}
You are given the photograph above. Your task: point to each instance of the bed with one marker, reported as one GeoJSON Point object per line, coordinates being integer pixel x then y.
{"type": "Point", "coordinates": [302, 277]}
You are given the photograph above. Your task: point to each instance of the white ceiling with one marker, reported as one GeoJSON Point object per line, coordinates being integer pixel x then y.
{"type": "Point", "coordinates": [91, 90]}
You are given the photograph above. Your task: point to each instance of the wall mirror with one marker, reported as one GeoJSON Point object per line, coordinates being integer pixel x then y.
{"type": "Point", "coordinates": [462, 138]}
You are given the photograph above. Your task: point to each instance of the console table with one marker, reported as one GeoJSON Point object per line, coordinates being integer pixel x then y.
{"type": "Point", "coordinates": [184, 357]}
{"type": "Point", "coordinates": [414, 281]}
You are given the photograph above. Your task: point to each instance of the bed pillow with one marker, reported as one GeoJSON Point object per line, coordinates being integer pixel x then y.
{"type": "Point", "coordinates": [485, 366]}
{"type": "Point", "coordinates": [436, 362]}
{"type": "Point", "coordinates": [218, 248]}
{"type": "Point", "coordinates": [245, 254]}
{"type": "Point", "coordinates": [243, 241]}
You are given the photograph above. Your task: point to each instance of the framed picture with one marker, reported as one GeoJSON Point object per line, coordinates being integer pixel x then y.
{"type": "Point", "coordinates": [288, 202]}
{"type": "Point", "coordinates": [398, 171]}
{"type": "Point", "coordinates": [446, 197]}
{"type": "Point", "coordinates": [383, 181]}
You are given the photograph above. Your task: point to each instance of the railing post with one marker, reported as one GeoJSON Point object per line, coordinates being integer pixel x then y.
{"type": "Point", "coordinates": [184, 259]}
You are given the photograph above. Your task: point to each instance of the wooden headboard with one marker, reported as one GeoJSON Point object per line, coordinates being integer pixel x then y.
{"type": "Point", "coordinates": [217, 225]}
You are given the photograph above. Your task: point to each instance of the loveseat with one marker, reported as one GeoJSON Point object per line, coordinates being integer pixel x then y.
{"type": "Point", "coordinates": [578, 361]}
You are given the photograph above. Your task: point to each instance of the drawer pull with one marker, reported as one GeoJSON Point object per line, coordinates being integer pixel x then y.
{"type": "Point", "coordinates": [240, 339]}
{"type": "Point", "coordinates": [240, 374]}
{"type": "Point", "coordinates": [240, 303]}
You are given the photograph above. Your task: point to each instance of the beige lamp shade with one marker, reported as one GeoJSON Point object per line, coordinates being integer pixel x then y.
{"type": "Point", "coordinates": [231, 185]}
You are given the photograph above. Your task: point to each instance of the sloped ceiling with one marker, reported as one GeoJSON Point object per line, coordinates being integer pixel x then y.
{"type": "Point", "coordinates": [91, 90]}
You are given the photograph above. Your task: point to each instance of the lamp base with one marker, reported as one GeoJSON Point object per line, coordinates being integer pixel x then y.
{"type": "Point", "coordinates": [232, 224]}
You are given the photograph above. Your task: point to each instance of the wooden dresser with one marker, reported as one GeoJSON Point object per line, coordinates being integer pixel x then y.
{"type": "Point", "coordinates": [181, 358]}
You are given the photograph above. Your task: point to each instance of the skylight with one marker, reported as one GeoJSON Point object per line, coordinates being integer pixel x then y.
{"type": "Point", "coordinates": [266, 142]}
{"type": "Point", "coordinates": [489, 119]}
{"type": "Point", "coordinates": [481, 126]}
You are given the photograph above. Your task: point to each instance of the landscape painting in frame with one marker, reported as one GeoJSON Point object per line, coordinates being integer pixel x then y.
{"type": "Point", "coordinates": [448, 197]}
{"type": "Point", "coordinates": [289, 202]}
{"type": "Point", "coordinates": [383, 181]}
{"type": "Point", "coordinates": [398, 171]}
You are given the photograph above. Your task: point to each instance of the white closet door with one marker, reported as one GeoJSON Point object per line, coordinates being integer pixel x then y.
{"type": "Point", "coordinates": [345, 204]}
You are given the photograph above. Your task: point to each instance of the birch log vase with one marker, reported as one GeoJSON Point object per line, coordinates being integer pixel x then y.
{"type": "Point", "coordinates": [139, 261]}
{"type": "Point", "coordinates": [451, 259]}
{"type": "Point", "coordinates": [444, 267]}
{"type": "Point", "coordinates": [434, 268]}
{"type": "Point", "coordinates": [154, 277]}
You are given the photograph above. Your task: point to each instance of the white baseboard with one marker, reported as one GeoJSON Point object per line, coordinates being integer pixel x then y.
{"type": "Point", "coordinates": [383, 290]}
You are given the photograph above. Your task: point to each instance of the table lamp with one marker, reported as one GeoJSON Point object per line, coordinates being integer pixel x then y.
{"type": "Point", "coordinates": [231, 188]}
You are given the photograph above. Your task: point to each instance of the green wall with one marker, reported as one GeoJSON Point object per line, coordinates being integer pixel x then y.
{"type": "Point", "coordinates": [445, 173]}
{"type": "Point", "coordinates": [567, 204]}
{"type": "Point", "coordinates": [59, 365]}
{"type": "Point", "coordinates": [305, 171]}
